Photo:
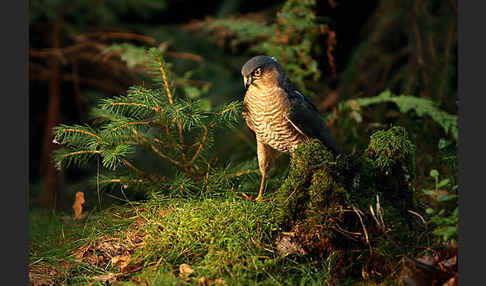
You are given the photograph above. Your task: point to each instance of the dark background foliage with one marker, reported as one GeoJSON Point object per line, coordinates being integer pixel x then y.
{"type": "Point", "coordinates": [408, 47]}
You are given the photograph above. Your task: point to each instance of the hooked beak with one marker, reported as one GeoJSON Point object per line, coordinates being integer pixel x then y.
{"type": "Point", "coordinates": [247, 81]}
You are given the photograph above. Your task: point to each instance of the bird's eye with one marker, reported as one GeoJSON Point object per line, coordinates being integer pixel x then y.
{"type": "Point", "coordinates": [257, 72]}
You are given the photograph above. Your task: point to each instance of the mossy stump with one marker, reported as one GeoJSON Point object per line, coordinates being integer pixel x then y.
{"type": "Point", "coordinates": [353, 206]}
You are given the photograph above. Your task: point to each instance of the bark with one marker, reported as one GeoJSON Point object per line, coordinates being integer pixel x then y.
{"type": "Point", "coordinates": [53, 190]}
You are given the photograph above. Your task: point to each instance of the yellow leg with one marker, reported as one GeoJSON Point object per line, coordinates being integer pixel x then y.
{"type": "Point", "coordinates": [259, 198]}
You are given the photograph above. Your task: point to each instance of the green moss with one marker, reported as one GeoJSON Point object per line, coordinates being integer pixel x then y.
{"type": "Point", "coordinates": [292, 196]}
{"type": "Point", "coordinates": [321, 198]}
{"type": "Point", "coordinates": [235, 239]}
{"type": "Point", "coordinates": [391, 147]}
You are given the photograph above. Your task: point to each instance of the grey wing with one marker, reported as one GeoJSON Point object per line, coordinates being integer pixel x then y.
{"type": "Point", "coordinates": [306, 119]}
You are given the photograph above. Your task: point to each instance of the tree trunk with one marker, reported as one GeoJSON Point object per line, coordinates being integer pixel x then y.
{"type": "Point", "coordinates": [53, 192]}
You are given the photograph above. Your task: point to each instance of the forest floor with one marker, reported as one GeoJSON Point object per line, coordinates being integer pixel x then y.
{"type": "Point", "coordinates": [223, 241]}
{"type": "Point", "coordinates": [317, 228]}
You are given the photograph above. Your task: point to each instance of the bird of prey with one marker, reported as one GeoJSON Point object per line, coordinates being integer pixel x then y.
{"type": "Point", "coordinates": [280, 116]}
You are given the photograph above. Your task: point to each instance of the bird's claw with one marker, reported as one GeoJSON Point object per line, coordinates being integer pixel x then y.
{"type": "Point", "coordinates": [251, 198]}
{"type": "Point", "coordinates": [259, 198]}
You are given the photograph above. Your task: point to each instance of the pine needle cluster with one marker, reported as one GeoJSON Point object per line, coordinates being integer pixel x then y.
{"type": "Point", "coordinates": [176, 130]}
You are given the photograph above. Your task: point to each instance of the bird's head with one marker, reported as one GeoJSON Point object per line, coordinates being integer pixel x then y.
{"type": "Point", "coordinates": [262, 72]}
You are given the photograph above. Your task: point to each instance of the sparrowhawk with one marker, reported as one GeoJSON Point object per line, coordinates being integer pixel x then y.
{"type": "Point", "coordinates": [280, 116]}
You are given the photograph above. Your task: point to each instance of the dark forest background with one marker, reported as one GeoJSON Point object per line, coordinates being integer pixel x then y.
{"type": "Point", "coordinates": [409, 47]}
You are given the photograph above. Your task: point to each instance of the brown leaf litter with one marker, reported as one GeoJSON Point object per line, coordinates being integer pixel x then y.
{"type": "Point", "coordinates": [439, 269]}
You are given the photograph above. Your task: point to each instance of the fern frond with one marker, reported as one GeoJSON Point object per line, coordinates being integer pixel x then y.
{"type": "Point", "coordinates": [421, 106]}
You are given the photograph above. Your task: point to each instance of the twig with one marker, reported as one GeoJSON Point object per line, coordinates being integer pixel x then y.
{"type": "Point", "coordinates": [61, 52]}
{"type": "Point", "coordinates": [128, 36]}
{"type": "Point", "coordinates": [184, 55]}
{"type": "Point", "coordinates": [362, 224]}
{"type": "Point", "coordinates": [291, 194]}
{"type": "Point", "coordinates": [425, 225]}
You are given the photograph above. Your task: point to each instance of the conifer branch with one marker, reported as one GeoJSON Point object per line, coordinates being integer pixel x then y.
{"type": "Point", "coordinates": [133, 123]}
{"type": "Point", "coordinates": [134, 104]}
{"type": "Point", "coordinates": [138, 171]}
{"type": "Point", "coordinates": [164, 79]}
{"type": "Point", "coordinates": [81, 152]}
{"type": "Point", "coordinates": [171, 139]}
{"type": "Point", "coordinates": [157, 151]}
{"type": "Point", "coordinates": [81, 131]}
{"type": "Point", "coordinates": [201, 145]}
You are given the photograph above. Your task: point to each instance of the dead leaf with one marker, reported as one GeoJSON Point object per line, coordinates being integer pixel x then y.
{"type": "Point", "coordinates": [286, 245]}
{"type": "Point", "coordinates": [204, 281]}
{"type": "Point", "coordinates": [78, 205]}
{"type": "Point", "coordinates": [110, 277]}
{"type": "Point", "coordinates": [451, 282]}
{"type": "Point", "coordinates": [165, 212]}
{"type": "Point", "coordinates": [219, 282]}
{"type": "Point", "coordinates": [185, 270]}
{"type": "Point", "coordinates": [120, 261]}
{"type": "Point", "coordinates": [418, 273]}
{"type": "Point", "coordinates": [42, 275]}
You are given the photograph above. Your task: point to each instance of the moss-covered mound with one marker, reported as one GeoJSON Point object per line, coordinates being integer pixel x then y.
{"type": "Point", "coordinates": [353, 207]}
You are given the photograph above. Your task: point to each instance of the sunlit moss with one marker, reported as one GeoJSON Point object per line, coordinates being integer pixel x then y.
{"type": "Point", "coordinates": [326, 201]}
{"type": "Point", "coordinates": [293, 196]}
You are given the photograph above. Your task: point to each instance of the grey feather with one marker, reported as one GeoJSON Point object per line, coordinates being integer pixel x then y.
{"type": "Point", "coordinates": [259, 61]}
{"type": "Point", "coordinates": [305, 117]}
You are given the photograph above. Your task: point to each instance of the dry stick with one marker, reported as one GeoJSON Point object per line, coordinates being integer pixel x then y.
{"type": "Point", "coordinates": [128, 36]}
{"type": "Point", "coordinates": [184, 55]}
{"type": "Point", "coordinates": [362, 224]}
{"type": "Point", "coordinates": [425, 224]}
{"type": "Point", "coordinates": [45, 74]}
{"type": "Point", "coordinates": [61, 52]}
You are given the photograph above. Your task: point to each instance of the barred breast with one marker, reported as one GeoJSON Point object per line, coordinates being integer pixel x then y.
{"type": "Point", "coordinates": [267, 116]}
